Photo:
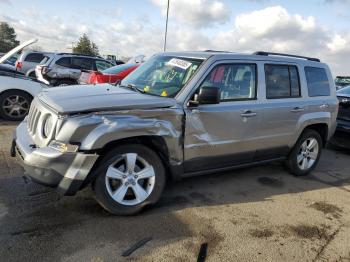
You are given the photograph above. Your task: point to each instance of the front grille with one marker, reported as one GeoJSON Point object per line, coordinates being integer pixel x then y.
{"type": "Point", "coordinates": [37, 114]}
{"type": "Point", "coordinates": [33, 119]}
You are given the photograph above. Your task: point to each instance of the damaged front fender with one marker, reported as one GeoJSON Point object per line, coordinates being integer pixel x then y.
{"type": "Point", "coordinates": [166, 123]}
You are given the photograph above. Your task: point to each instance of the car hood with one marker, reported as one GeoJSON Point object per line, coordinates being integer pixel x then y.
{"type": "Point", "coordinates": [104, 97]}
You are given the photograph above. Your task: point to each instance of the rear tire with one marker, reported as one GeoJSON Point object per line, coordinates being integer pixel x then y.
{"type": "Point", "coordinates": [305, 154]}
{"type": "Point", "coordinates": [129, 178]}
{"type": "Point", "coordinates": [14, 105]}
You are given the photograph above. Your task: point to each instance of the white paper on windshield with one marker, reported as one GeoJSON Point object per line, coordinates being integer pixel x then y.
{"type": "Point", "coordinates": [179, 63]}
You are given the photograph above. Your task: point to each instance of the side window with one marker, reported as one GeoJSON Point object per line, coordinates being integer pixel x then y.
{"type": "Point", "coordinates": [34, 57]}
{"type": "Point", "coordinates": [102, 65]}
{"type": "Point", "coordinates": [236, 81]}
{"type": "Point", "coordinates": [82, 63]}
{"type": "Point", "coordinates": [317, 81]}
{"type": "Point", "coordinates": [282, 81]}
{"type": "Point", "coordinates": [64, 61]}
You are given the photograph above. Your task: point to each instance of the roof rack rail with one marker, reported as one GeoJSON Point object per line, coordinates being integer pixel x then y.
{"type": "Point", "coordinates": [217, 51]}
{"type": "Point", "coordinates": [79, 55]}
{"type": "Point", "coordinates": [288, 55]}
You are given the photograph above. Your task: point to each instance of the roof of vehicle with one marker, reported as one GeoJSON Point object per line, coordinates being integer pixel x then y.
{"type": "Point", "coordinates": [27, 51]}
{"type": "Point", "coordinates": [260, 55]}
{"type": "Point", "coordinates": [84, 55]}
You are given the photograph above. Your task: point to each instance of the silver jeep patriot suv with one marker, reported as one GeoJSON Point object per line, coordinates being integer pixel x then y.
{"type": "Point", "coordinates": [178, 115]}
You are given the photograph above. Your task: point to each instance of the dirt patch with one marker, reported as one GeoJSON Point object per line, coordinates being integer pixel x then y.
{"type": "Point", "coordinates": [310, 232]}
{"type": "Point", "coordinates": [327, 208]}
{"type": "Point", "coordinates": [261, 233]}
{"type": "Point", "coordinates": [272, 182]}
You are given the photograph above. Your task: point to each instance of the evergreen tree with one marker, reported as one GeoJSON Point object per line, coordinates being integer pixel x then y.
{"type": "Point", "coordinates": [86, 46]}
{"type": "Point", "coordinates": [7, 37]}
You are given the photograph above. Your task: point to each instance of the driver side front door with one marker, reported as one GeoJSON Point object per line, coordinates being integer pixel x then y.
{"type": "Point", "coordinates": [217, 136]}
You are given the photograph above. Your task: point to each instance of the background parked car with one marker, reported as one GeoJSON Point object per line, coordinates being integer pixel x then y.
{"type": "Point", "coordinates": [342, 135]}
{"type": "Point", "coordinates": [112, 75]}
{"type": "Point", "coordinates": [66, 68]}
{"type": "Point", "coordinates": [16, 90]}
{"type": "Point", "coordinates": [29, 59]}
{"type": "Point", "coordinates": [342, 81]}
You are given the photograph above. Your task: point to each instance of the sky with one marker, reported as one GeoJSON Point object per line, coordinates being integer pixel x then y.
{"type": "Point", "coordinates": [317, 28]}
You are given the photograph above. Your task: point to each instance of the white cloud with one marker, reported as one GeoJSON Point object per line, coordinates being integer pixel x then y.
{"type": "Point", "coordinates": [198, 13]}
{"type": "Point", "coordinates": [8, 2]}
{"type": "Point", "coordinates": [270, 29]}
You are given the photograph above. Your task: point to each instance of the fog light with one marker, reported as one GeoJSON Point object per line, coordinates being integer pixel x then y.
{"type": "Point", "coordinates": [63, 148]}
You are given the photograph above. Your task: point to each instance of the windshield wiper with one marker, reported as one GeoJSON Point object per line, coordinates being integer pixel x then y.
{"type": "Point", "coordinates": [132, 87]}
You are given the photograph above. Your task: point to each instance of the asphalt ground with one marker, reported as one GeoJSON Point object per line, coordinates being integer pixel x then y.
{"type": "Point", "coordinates": [251, 214]}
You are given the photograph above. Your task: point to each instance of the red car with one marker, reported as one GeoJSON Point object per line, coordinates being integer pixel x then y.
{"type": "Point", "coordinates": [112, 75]}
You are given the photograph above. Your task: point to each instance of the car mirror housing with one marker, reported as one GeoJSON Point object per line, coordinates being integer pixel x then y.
{"type": "Point", "coordinates": [209, 95]}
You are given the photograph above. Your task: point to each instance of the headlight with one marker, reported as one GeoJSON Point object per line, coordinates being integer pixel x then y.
{"type": "Point", "coordinates": [47, 128]}
{"type": "Point", "coordinates": [62, 147]}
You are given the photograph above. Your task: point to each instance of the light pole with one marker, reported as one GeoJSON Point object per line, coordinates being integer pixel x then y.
{"type": "Point", "coordinates": [166, 25]}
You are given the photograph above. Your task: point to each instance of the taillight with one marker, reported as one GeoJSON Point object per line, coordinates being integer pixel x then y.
{"type": "Point", "coordinates": [95, 78]}
{"type": "Point", "coordinates": [19, 65]}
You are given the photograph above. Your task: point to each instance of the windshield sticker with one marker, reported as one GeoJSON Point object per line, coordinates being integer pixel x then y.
{"type": "Point", "coordinates": [164, 93]}
{"type": "Point", "coordinates": [179, 63]}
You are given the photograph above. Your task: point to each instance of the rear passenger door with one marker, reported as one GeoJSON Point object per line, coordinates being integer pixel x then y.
{"type": "Point", "coordinates": [281, 107]}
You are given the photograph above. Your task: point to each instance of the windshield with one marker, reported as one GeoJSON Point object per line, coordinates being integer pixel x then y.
{"type": "Point", "coordinates": [163, 75]}
{"type": "Point", "coordinates": [344, 91]}
{"type": "Point", "coordinates": [342, 81]}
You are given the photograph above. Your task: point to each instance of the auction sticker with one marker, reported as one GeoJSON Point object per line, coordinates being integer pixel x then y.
{"type": "Point", "coordinates": [179, 63]}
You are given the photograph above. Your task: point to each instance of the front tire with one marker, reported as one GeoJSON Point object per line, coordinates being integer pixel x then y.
{"type": "Point", "coordinates": [305, 154]}
{"type": "Point", "coordinates": [14, 105]}
{"type": "Point", "coordinates": [130, 177]}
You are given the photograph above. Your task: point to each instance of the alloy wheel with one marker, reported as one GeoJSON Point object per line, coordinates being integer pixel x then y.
{"type": "Point", "coordinates": [130, 179]}
{"type": "Point", "coordinates": [15, 106]}
{"type": "Point", "coordinates": [308, 153]}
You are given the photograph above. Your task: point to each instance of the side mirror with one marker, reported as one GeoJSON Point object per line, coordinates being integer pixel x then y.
{"type": "Point", "coordinates": [209, 95]}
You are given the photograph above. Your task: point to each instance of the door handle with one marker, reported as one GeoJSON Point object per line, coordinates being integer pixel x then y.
{"type": "Point", "coordinates": [324, 106]}
{"type": "Point", "coordinates": [297, 109]}
{"type": "Point", "coordinates": [248, 113]}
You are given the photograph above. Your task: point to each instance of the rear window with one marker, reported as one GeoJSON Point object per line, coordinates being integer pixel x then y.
{"type": "Point", "coordinates": [317, 81]}
{"type": "Point", "coordinates": [117, 69]}
{"type": "Point", "coordinates": [64, 61]}
{"type": "Point", "coordinates": [34, 57]}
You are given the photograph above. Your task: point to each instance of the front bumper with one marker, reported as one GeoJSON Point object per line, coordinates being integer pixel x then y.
{"type": "Point", "coordinates": [64, 171]}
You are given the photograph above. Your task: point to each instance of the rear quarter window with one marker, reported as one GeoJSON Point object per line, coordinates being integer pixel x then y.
{"type": "Point", "coordinates": [317, 81]}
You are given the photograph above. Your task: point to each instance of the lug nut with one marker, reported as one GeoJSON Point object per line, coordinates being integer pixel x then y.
{"type": "Point", "coordinates": [126, 183]}
{"type": "Point", "coordinates": [124, 176]}
{"type": "Point", "coordinates": [136, 176]}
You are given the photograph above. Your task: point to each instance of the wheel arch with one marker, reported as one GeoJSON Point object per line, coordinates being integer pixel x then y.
{"type": "Point", "coordinates": [322, 129]}
{"type": "Point", "coordinates": [16, 89]}
{"type": "Point", "coordinates": [156, 143]}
